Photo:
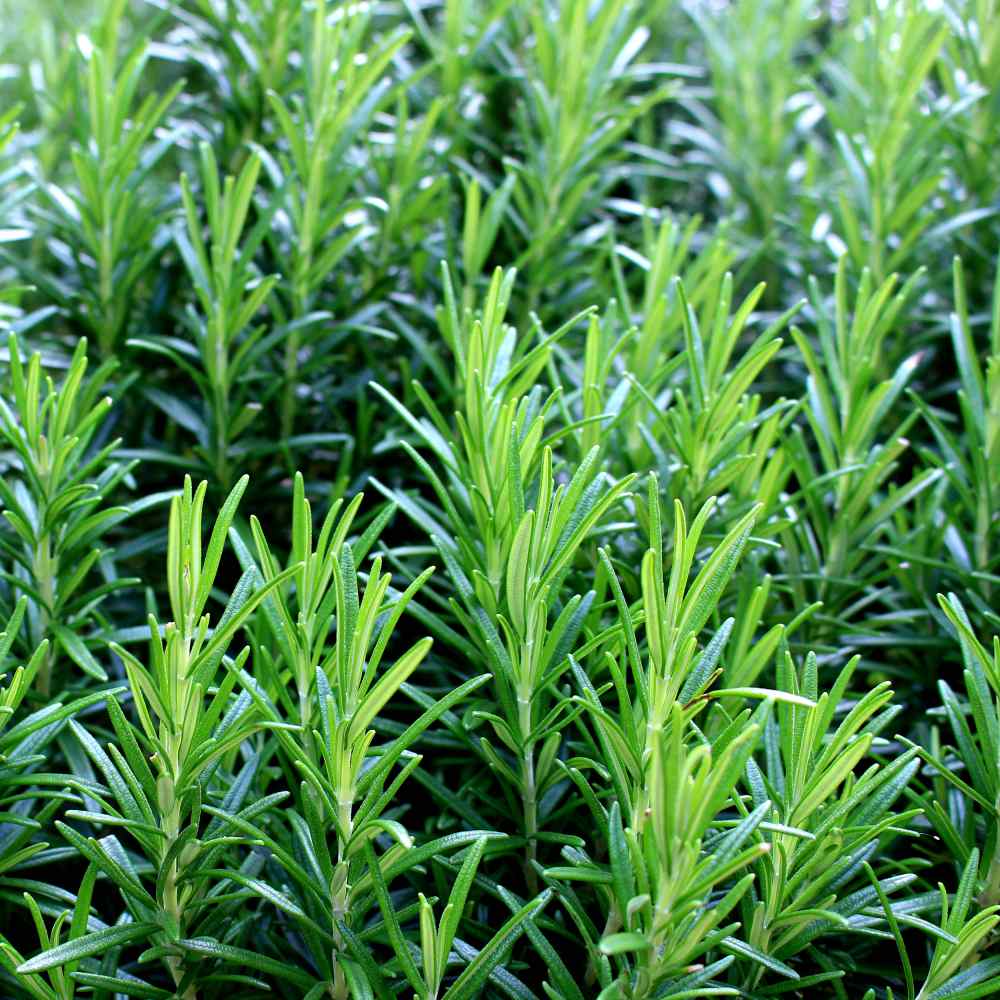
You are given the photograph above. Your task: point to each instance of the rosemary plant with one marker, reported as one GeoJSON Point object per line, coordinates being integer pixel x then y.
{"type": "Point", "coordinates": [613, 609]}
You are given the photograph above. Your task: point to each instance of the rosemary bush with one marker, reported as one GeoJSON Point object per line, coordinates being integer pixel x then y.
{"type": "Point", "coordinates": [501, 499]}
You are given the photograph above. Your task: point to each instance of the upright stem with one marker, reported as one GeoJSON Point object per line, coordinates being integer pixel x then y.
{"type": "Point", "coordinates": [989, 896]}
{"type": "Point", "coordinates": [291, 379]}
{"type": "Point", "coordinates": [169, 801]}
{"type": "Point", "coordinates": [107, 331]}
{"type": "Point", "coordinates": [984, 517]}
{"type": "Point", "coordinates": [300, 306]}
{"type": "Point", "coordinates": [529, 793]}
{"type": "Point", "coordinates": [172, 905]}
{"type": "Point", "coordinates": [340, 901]}
{"type": "Point", "coordinates": [221, 418]}
{"type": "Point", "coordinates": [305, 720]}
{"type": "Point", "coordinates": [45, 573]}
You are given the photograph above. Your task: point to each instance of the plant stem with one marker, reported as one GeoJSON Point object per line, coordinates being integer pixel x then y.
{"type": "Point", "coordinates": [300, 306]}
{"type": "Point", "coordinates": [989, 896]}
{"type": "Point", "coordinates": [45, 569]}
{"type": "Point", "coordinates": [221, 448]}
{"type": "Point", "coordinates": [106, 331]}
{"type": "Point", "coordinates": [529, 792]}
{"type": "Point", "coordinates": [291, 379]}
{"type": "Point", "coordinates": [172, 905]}
{"type": "Point", "coordinates": [340, 906]}
{"type": "Point", "coordinates": [984, 518]}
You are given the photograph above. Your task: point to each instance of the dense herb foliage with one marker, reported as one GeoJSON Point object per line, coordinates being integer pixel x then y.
{"type": "Point", "coordinates": [501, 498]}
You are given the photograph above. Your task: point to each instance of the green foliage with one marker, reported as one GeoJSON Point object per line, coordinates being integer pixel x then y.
{"type": "Point", "coordinates": [759, 124]}
{"type": "Point", "coordinates": [846, 471]}
{"type": "Point", "coordinates": [890, 168]}
{"type": "Point", "coordinates": [509, 536]}
{"type": "Point", "coordinates": [344, 83]}
{"type": "Point", "coordinates": [104, 225]}
{"type": "Point", "coordinates": [56, 507]}
{"type": "Point", "coordinates": [224, 346]}
{"type": "Point", "coordinates": [580, 427]}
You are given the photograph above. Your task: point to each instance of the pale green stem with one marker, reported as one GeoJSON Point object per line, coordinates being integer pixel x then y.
{"type": "Point", "coordinates": [529, 792]}
{"type": "Point", "coordinates": [171, 897]}
{"type": "Point", "coordinates": [45, 569]}
{"type": "Point", "coordinates": [989, 896]}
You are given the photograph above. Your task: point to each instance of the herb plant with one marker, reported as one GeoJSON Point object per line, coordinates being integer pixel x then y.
{"type": "Point", "coordinates": [500, 500]}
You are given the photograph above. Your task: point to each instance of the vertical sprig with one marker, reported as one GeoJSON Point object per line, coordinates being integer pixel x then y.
{"type": "Point", "coordinates": [887, 130]}
{"type": "Point", "coordinates": [963, 800]}
{"type": "Point", "coordinates": [509, 533]}
{"type": "Point", "coordinates": [670, 782]}
{"type": "Point", "coordinates": [760, 124]}
{"type": "Point", "coordinates": [230, 295]}
{"type": "Point", "coordinates": [111, 218]}
{"type": "Point", "coordinates": [847, 494]}
{"type": "Point", "coordinates": [956, 966]}
{"type": "Point", "coordinates": [332, 641]}
{"type": "Point", "coordinates": [299, 618]}
{"type": "Point", "coordinates": [159, 773]}
{"type": "Point", "coordinates": [972, 465]}
{"type": "Point", "coordinates": [827, 817]}
{"type": "Point", "coordinates": [56, 505]}
{"type": "Point", "coordinates": [578, 104]}
{"type": "Point", "coordinates": [708, 434]}
{"type": "Point", "coordinates": [669, 255]}
{"type": "Point", "coordinates": [344, 84]}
